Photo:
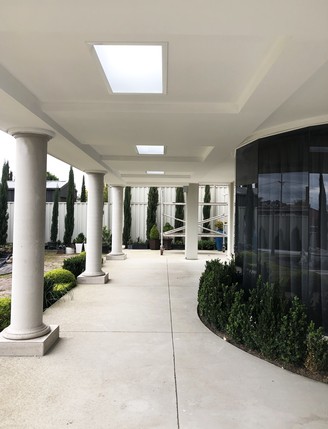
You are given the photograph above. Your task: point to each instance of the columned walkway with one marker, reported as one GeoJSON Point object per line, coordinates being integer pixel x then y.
{"type": "Point", "coordinates": [133, 354]}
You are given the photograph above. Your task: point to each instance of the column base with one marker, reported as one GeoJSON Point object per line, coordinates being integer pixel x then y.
{"type": "Point", "coordinates": [32, 347]}
{"type": "Point", "coordinates": [116, 256]}
{"type": "Point", "coordinates": [85, 279]}
{"type": "Point", "coordinates": [28, 334]}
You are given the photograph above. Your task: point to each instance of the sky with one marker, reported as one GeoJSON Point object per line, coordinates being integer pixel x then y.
{"type": "Point", "coordinates": [54, 166]}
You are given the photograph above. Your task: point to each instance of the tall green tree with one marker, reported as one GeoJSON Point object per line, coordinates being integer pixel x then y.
{"type": "Point", "coordinates": [69, 218]}
{"type": "Point", "coordinates": [4, 203]}
{"type": "Point", "coordinates": [151, 208]}
{"type": "Point", "coordinates": [51, 176]}
{"type": "Point", "coordinates": [207, 209]}
{"type": "Point", "coordinates": [179, 209]}
{"type": "Point", "coordinates": [84, 196]}
{"type": "Point", "coordinates": [127, 215]}
{"type": "Point", "coordinates": [54, 220]}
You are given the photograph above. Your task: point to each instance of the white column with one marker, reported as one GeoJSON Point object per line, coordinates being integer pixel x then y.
{"type": "Point", "coordinates": [28, 245]}
{"type": "Point", "coordinates": [117, 224]}
{"type": "Point", "coordinates": [231, 219]}
{"type": "Point", "coordinates": [93, 272]}
{"type": "Point", "coordinates": [191, 249]}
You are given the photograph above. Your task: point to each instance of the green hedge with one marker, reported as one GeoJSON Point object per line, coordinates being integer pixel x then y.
{"type": "Point", "coordinates": [261, 319]}
{"type": "Point", "coordinates": [75, 264]}
{"type": "Point", "coordinates": [56, 284]}
{"type": "Point", "coordinates": [206, 245]}
{"type": "Point", "coordinates": [4, 312]}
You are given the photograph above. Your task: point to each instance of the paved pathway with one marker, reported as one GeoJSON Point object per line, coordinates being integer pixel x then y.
{"type": "Point", "coordinates": [133, 355]}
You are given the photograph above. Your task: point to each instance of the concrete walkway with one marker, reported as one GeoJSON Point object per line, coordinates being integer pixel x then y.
{"type": "Point", "coordinates": [133, 355]}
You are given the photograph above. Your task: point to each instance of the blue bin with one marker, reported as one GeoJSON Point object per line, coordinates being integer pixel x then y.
{"type": "Point", "coordinates": [219, 243]}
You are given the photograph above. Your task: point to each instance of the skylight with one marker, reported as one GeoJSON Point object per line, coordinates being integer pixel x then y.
{"type": "Point", "coordinates": [150, 150]}
{"type": "Point", "coordinates": [133, 69]}
{"type": "Point", "coordinates": [154, 172]}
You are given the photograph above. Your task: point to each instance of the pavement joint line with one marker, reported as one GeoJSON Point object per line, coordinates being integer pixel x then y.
{"type": "Point", "coordinates": [173, 348]}
{"type": "Point", "coordinates": [117, 332]}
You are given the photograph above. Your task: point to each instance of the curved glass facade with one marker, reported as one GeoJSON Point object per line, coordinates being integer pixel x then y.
{"type": "Point", "coordinates": [281, 215]}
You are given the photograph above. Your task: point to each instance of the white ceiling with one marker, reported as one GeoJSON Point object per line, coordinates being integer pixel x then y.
{"type": "Point", "coordinates": [236, 70]}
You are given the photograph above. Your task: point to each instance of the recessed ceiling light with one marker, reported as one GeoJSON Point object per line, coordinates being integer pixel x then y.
{"type": "Point", "coordinates": [133, 69]}
{"type": "Point", "coordinates": [150, 150]}
{"type": "Point", "coordinates": [154, 172]}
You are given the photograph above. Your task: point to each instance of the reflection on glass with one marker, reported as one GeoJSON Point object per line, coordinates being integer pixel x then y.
{"type": "Point", "coordinates": [282, 216]}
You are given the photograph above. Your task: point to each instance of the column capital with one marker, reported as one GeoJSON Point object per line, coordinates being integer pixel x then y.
{"type": "Point", "coordinates": [102, 172]}
{"type": "Point", "coordinates": [26, 131]}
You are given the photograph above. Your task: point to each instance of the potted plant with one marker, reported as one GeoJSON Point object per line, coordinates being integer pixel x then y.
{"type": "Point", "coordinates": [154, 243]}
{"type": "Point", "coordinates": [106, 239]}
{"type": "Point", "coordinates": [167, 241]}
{"type": "Point", "coordinates": [79, 241]}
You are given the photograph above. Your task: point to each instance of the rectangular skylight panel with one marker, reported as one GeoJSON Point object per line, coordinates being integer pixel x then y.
{"type": "Point", "coordinates": [150, 150]}
{"type": "Point", "coordinates": [154, 172]}
{"type": "Point", "coordinates": [132, 69]}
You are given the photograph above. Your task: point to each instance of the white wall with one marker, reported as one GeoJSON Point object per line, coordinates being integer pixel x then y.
{"type": "Point", "coordinates": [139, 200]}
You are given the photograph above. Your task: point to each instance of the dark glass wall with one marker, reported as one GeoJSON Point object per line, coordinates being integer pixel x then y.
{"type": "Point", "coordinates": [282, 217]}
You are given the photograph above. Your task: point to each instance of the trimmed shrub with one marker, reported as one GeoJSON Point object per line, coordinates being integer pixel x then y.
{"type": "Point", "coordinates": [206, 244]}
{"type": "Point", "coordinates": [217, 286]}
{"type": "Point", "coordinates": [266, 307]}
{"type": "Point", "coordinates": [238, 320]}
{"type": "Point", "coordinates": [56, 284]}
{"type": "Point", "coordinates": [261, 319]}
{"type": "Point", "coordinates": [5, 304]}
{"type": "Point", "coordinates": [154, 233]}
{"type": "Point", "coordinates": [75, 264]}
{"type": "Point", "coordinates": [317, 350]}
{"type": "Point", "coordinates": [207, 292]}
{"type": "Point", "coordinates": [60, 275]}
{"type": "Point", "coordinates": [293, 332]}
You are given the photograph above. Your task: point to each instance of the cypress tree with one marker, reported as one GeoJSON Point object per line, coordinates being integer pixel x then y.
{"type": "Point", "coordinates": [69, 218]}
{"type": "Point", "coordinates": [105, 193]}
{"type": "Point", "coordinates": [127, 216]}
{"type": "Point", "coordinates": [207, 209]}
{"type": "Point", "coordinates": [179, 209]}
{"type": "Point", "coordinates": [152, 208]}
{"type": "Point", "coordinates": [83, 192]}
{"type": "Point", "coordinates": [54, 221]}
{"type": "Point", "coordinates": [4, 203]}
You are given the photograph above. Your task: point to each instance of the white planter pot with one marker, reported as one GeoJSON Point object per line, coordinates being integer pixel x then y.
{"type": "Point", "coordinates": [78, 247]}
{"type": "Point", "coordinates": [70, 250]}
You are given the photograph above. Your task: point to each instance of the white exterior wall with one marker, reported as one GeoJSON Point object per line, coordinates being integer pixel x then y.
{"type": "Point", "coordinates": [139, 201]}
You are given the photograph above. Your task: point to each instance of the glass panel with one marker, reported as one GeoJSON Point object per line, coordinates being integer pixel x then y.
{"type": "Point", "coordinates": [318, 228]}
{"type": "Point", "coordinates": [282, 215]}
{"type": "Point", "coordinates": [246, 159]}
{"type": "Point", "coordinates": [283, 207]}
{"type": "Point", "coordinates": [246, 237]}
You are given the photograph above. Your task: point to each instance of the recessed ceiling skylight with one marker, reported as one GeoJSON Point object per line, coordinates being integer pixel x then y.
{"type": "Point", "coordinates": [154, 172]}
{"type": "Point", "coordinates": [150, 150]}
{"type": "Point", "coordinates": [133, 69]}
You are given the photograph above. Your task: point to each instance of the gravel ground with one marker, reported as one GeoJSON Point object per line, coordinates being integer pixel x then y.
{"type": "Point", "coordinates": [52, 260]}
